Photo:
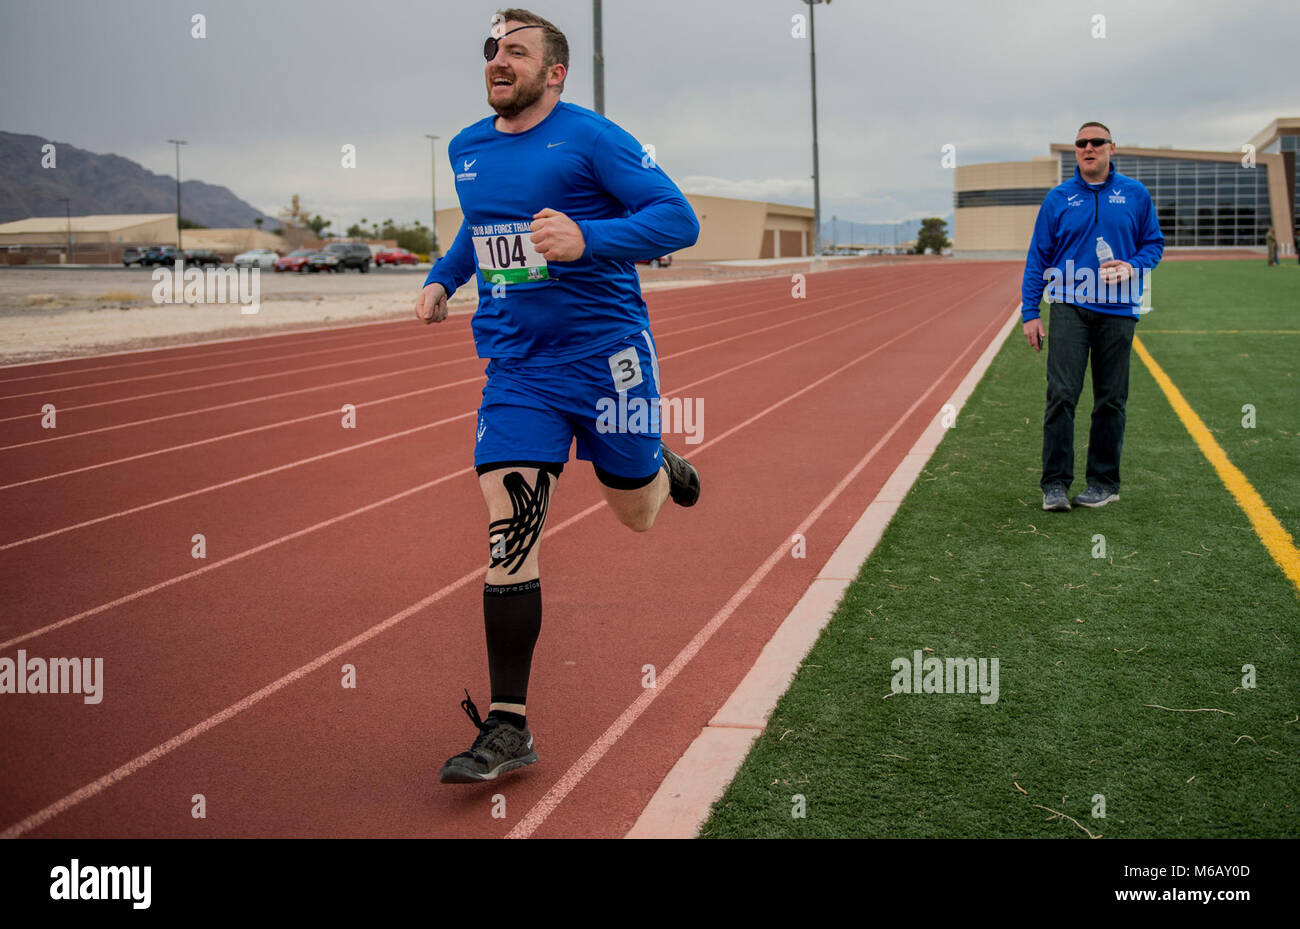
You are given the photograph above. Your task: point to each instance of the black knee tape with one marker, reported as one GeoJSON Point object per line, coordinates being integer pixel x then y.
{"type": "Point", "coordinates": [511, 539]}
{"type": "Point", "coordinates": [624, 483]}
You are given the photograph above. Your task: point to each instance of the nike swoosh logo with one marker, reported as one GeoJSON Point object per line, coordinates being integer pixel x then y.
{"type": "Point", "coordinates": [1071, 198]}
{"type": "Point", "coordinates": [470, 164]}
{"type": "Point", "coordinates": [553, 144]}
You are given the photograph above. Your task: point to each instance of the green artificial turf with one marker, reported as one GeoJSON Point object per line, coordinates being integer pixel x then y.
{"type": "Point", "coordinates": [1088, 648]}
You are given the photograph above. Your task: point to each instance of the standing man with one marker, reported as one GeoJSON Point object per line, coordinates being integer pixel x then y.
{"type": "Point", "coordinates": [1270, 243]}
{"type": "Point", "coordinates": [558, 204]}
{"type": "Point", "coordinates": [1095, 238]}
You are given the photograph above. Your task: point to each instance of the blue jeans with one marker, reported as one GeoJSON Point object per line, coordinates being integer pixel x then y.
{"type": "Point", "coordinates": [1075, 333]}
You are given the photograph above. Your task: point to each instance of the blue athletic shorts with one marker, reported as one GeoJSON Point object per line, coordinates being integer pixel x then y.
{"type": "Point", "coordinates": [608, 401]}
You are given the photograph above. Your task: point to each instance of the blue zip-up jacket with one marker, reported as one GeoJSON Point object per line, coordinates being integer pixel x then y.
{"type": "Point", "coordinates": [585, 166]}
{"type": "Point", "coordinates": [1063, 253]}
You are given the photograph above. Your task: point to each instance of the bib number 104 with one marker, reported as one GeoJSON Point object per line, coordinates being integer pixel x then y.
{"type": "Point", "coordinates": [509, 258]}
{"type": "Point", "coordinates": [505, 252]}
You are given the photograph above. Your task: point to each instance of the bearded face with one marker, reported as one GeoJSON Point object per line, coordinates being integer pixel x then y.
{"type": "Point", "coordinates": [511, 90]}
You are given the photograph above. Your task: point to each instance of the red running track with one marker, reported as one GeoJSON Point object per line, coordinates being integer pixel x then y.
{"type": "Point", "coordinates": [328, 547]}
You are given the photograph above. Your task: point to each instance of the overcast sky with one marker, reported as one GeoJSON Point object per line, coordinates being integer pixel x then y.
{"type": "Point", "coordinates": [719, 87]}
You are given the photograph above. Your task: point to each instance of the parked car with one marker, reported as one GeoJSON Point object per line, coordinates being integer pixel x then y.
{"type": "Point", "coordinates": [350, 255]}
{"type": "Point", "coordinates": [324, 261]}
{"type": "Point", "coordinates": [159, 255]}
{"type": "Point", "coordinates": [262, 258]}
{"type": "Point", "coordinates": [661, 262]}
{"type": "Point", "coordinates": [201, 257]}
{"type": "Point", "coordinates": [132, 255]}
{"type": "Point", "coordinates": [395, 256]}
{"type": "Point", "coordinates": [296, 260]}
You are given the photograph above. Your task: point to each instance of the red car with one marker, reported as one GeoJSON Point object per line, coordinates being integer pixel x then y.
{"type": "Point", "coordinates": [395, 256]}
{"type": "Point", "coordinates": [294, 261]}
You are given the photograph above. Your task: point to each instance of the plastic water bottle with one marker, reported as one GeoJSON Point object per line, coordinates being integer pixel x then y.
{"type": "Point", "coordinates": [1104, 252]}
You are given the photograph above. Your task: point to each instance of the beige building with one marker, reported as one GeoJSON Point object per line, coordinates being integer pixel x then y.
{"type": "Point", "coordinates": [100, 231]}
{"type": "Point", "coordinates": [100, 238]}
{"type": "Point", "coordinates": [1202, 199]}
{"type": "Point", "coordinates": [729, 229]}
{"type": "Point", "coordinates": [232, 241]}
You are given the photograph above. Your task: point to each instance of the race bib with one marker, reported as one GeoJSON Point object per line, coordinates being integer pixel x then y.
{"type": "Point", "coordinates": [506, 254]}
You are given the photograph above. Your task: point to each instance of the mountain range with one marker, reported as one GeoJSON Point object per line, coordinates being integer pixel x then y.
{"type": "Point", "coordinates": [106, 184]}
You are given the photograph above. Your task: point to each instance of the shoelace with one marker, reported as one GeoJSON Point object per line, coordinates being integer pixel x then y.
{"type": "Point", "coordinates": [472, 712]}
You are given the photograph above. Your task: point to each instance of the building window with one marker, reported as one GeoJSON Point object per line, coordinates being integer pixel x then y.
{"type": "Point", "coordinates": [1011, 196]}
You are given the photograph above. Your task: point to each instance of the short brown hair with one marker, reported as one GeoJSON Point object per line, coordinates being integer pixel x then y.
{"type": "Point", "coordinates": [1099, 126]}
{"type": "Point", "coordinates": [555, 47]}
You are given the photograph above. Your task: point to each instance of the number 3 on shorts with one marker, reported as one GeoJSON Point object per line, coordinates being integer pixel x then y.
{"type": "Point", "coordinates": [625, 367]}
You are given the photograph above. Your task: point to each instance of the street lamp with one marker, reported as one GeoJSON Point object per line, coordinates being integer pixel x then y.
{"type": "Point", "coordinates": [433, 152]}
{"type": "Point", "coordinates": [817, 180]}
{"type": "Point", "coordinates": [178, 143]}
{"type": "Point", "coordinates": [67, 206]}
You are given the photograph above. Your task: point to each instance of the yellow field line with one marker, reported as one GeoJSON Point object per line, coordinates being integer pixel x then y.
{"type": "Point", "coordinates": [1271, 532]}
{"type": "Point", "coordinates": [1224, 331]}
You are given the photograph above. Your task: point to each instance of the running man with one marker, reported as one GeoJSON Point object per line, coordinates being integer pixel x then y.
{"type": "Point", "coordinates": [558, 204]}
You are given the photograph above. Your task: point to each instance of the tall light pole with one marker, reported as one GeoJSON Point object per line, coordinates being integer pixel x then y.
{"type": "Point", "coordinates": [597, 59]}
{"type": "Point", "coordinates": [68, 209]}
{"type": "Point", "coordinates": [178, 143]}
{"type": "Point", "coordinates": [433, 151]}
{"type": "Point", "coordinates": [817, 179]}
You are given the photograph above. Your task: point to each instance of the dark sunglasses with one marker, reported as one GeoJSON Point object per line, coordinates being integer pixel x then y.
{"type": "Point", "coordinates": [490, 46]}
{"type": "Point", "coordinates": [1095, 143]}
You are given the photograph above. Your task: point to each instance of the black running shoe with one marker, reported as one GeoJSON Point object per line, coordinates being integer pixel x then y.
{"type": "Point", "coordinates": [500, 747]}
{"type": "Point", "coordinates": [683, 480]}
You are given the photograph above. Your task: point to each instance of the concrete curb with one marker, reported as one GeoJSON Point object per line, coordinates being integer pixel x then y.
{"type": "Point", "coordinates": [682, 803]}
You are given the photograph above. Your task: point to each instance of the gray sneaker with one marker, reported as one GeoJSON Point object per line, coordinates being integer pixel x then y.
{"type": "Point", "coordinates": [499, 748]}
{"type": "Point", "coordinates": [1096, 496]}
{"type": "Point", "coordinates": [1055, 499]}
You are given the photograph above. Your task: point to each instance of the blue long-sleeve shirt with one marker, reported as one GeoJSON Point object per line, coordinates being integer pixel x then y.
{"type": "Point", "coordinates": [585, 166]}
{"type": "Point", "coordinates": [1062, 256]}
